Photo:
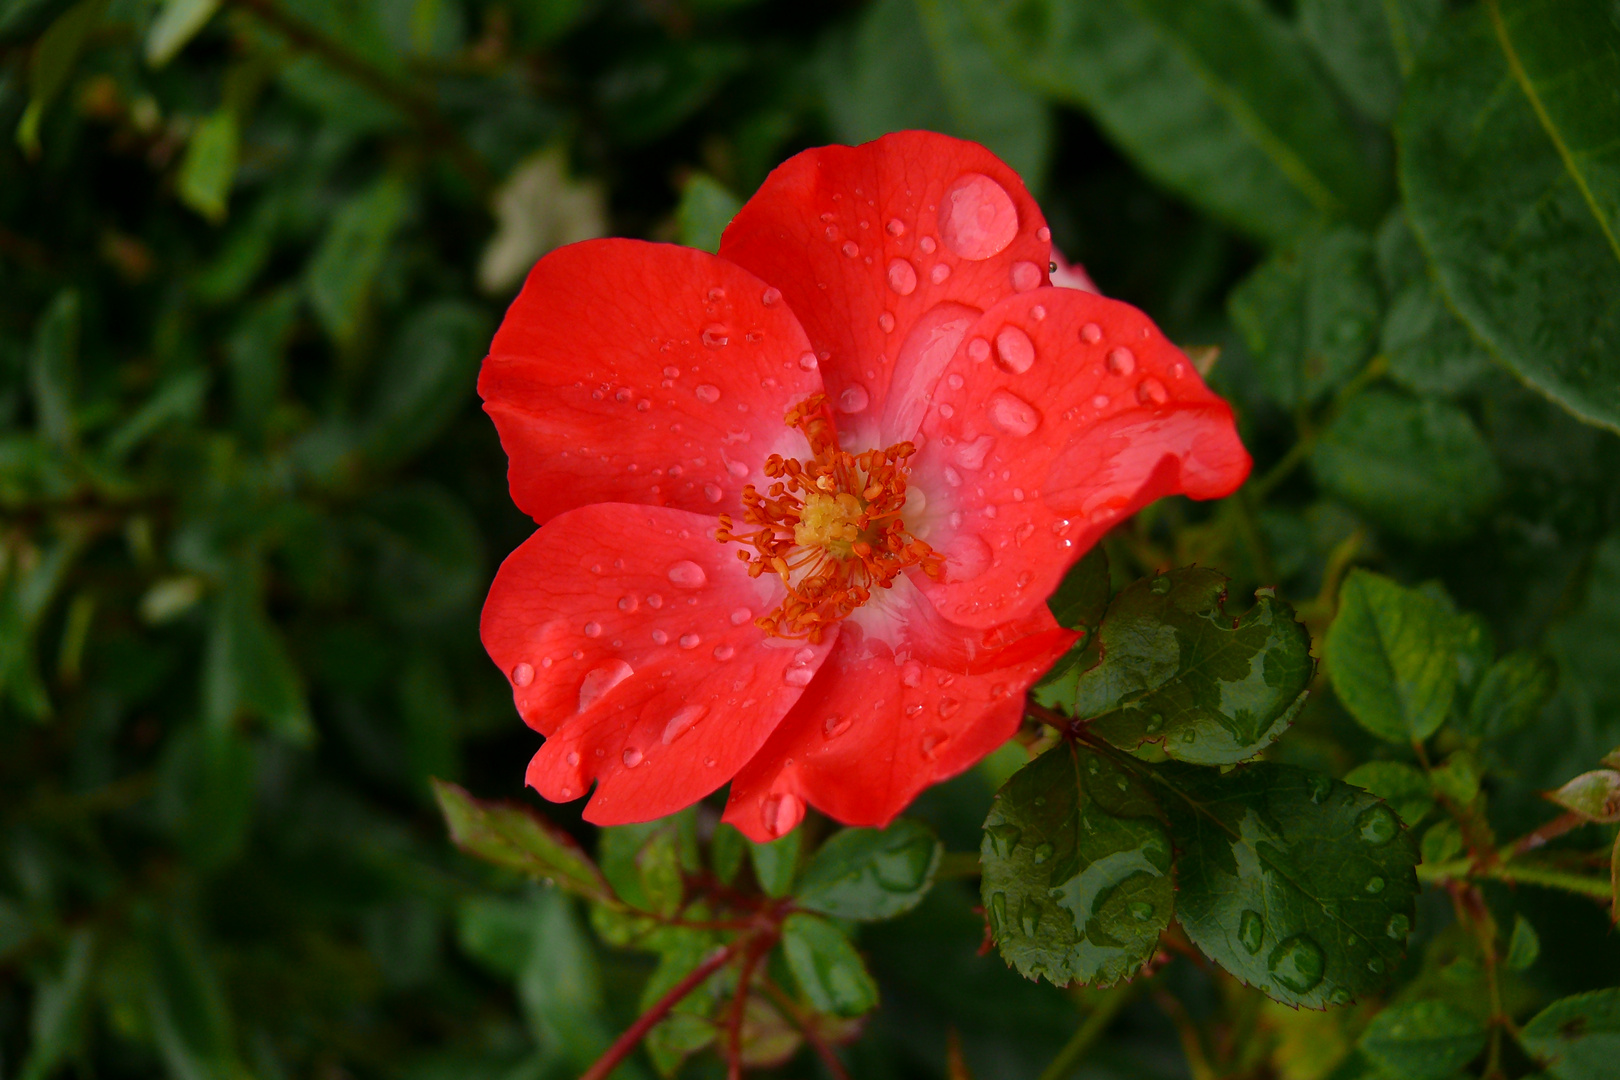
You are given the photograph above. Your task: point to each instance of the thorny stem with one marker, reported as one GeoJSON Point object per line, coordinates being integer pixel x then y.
{"type": "Point", "coordinates": [1516, 873]}
{"type": "Point", "coordinates": [403, 96]}
{"type": "Point", "coordinates": [1541, 835]}
{"type": "Point", "coordinates": [1090, 1030]}
{"type": "Point", "coordinates": [1471, 910]}
{"type": "Point", "coordinates": [806, 1026]}
{"type": "Point", "coordinates": [627, 1042]}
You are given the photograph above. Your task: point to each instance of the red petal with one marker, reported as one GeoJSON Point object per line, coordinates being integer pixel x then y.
{"type": "Point", "coordinates": [579, 383]}
{"type": "Point", "coordinates": [627, 633]}
{"type": "Point", "coordinates": [1061, 414]}
{"type": "Point", "coordinates": [874, 730]}
{"type": "Point", "coordinates": [854, 236]}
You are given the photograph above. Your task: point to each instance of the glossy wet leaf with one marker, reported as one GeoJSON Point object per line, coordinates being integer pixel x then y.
{"type": "Point", "coordinates": [1512, 692]}
{"type": "Point", "coordinates": [871, 873]}
{"type": "Point", "coordinates": [1173, 667]}
{"type": "Point", "coordinates": [1423, 1040]}
{"type": "Point", "coordinates": [1509, 167]}
{"type": "Point", "coordinates": [520, 840]}
{"type": "Point", "coordinates": [1391, 653]}
{"type": "Point", "coordinates": [1076, 876]}
{"type": "Point", "coordinates": [1370, 48]}
{"type": "Point", "coordinates": [1311, 314]}
{"type": "Point", "coordinates": [827, 967]}
{"type": "Point", "coordinates": [1217, 99]}
{"type": "Point", "coordinates": [1082, 596]}
{"type": "Point", "coordinates": [1403, 786]}
{"type": "Point", "coordinates": [1297, 884]}
{"type": "Point", "coordinates": [1417, 467]}
{"type": "Point", "coordinates": [1577, 1038]}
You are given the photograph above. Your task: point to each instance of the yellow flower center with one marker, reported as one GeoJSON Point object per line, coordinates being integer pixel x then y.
{"type": "Point", "coordinates": [830, 528]}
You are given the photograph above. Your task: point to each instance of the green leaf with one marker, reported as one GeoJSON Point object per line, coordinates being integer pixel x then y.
{"type": "Point", "coordinates": [644, 862]}
{"type": "Point", "coordinates": [776, 863]}
{"type": "Point", "coordinates": [1458, 779]}
{"type": "Point", "coordinates": [187, 1007]}
{"type": "Point", "coordinates": [50, 67]}
{"type": "Point", "coordinates": [517, 839]}
{"type": "Point", "coordinates": [175, 25]}
{"type": "Point", "coordinates": [687, 1028]}
{"type": "Point", "coordinates": [256, 355]}
{"type": "Point", "coordinates": [54, 372]}
{"type": "Point", "coordinates": [246, 670]}
{"type": "Point", "coordinates": [209, 167]}
{"type": "Point", "coordinates": [1369, 47]}
{"type": "Point", "coordinates": [1297, 884]}
{"type": "Point", "coordinates": [1594, 795]}
{"type": "Point", "coordinates": [1511, 108]}
{"type": "Point", "coordinates": [560, 985]}
{"type": "Point", "coordinates": [726, 850]}
{"type": "Point", "coordinates": [1428, 349]}
{"type": "Point", "coordinates": [705, 209]}
{"type": "Point", "coordinates": [871, 873]}
{"type": "Point", "coordinates": [916, 64]}
{"type": "Point", "coordinates": [1513, 691]}
{"type": "Point", "coordinates": [1577, 1038]}
{"type": "Point", "coordinates": [826, 966]}
{"type": "Point", "coordinates": [1403, 786]}
{"type": "Point", "coordinates": [1524, 946]}
{"type": "Point", "coordinates": [59, 1003]}
{"type": "Point", "coordinates": [1076, 880]}
{"type": "Point", "coordinates": [429, 376]}
{"type": "Point", "coordinates": [1391, 653]}
{"type": "Point", "coordinates": [1419, 468]}
{"type": "Point", "coordinates": [1082, 596]}
{"type": "Point", "coordinates": [343, 268]}
{"type": "Point", "coordinates": [1423, 1040]}
{"type": "Point", "coordinates": [1442, 842]}
{"type": "Point", "coordinates": [1217, 99]}
{"type": "Point", "coordinates": [1310, 314]}
{"type": "Point", "coordinates": [1176, 669]}
{"type": "Point", "coordinates": [178, 400]}
{"type": "Point", "coordinates": [21, 20]}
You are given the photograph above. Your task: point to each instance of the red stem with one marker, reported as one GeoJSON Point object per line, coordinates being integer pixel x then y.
{"type": "Point", "coordinates": [646, 1021]}
{"type": "Point", "coordinates": [738, 1009]}
{"type": "Point", "coordinates": [806, 1025]}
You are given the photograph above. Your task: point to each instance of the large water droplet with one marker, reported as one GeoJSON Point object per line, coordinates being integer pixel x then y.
{"type": "Point", "coordinates": [1029, 916]}
{"type": "Point", "coordinates": [593, 629]}
{"type": "Point", "coordinates": [687, 574]}
{"type": "Point", "coordinates": [1151, 391]}
{"type": "Point", "coordinates": [1141, 910]}
{"type": "Point", "coordinates": [886, 322]}
{"type": "Point", "coordinates": [834, 726]}
{"type": "Point", "coordinates": [911, 673]}
{"type": "Point", "coordinates": [1014, 351]}
{"type": "Point", "coordinates": [716, 336]}
{"type": "Point", "coordinates": [798, 675]}
{"type": "Point", "coordinates": [1375, 884]}
{"type": "Point", "coordinates": [948, 707]}
{"type": "Point", "coordinates": [854, 399]}
{"type": "Point", "coordinates": [998, 912]}
{"type": "Point", "coordinates": [690, 641]}
{"type": "Point", "coordinates": [713, 493]}
{"type": "Point", "coordinates": [966, 557]}
{"type": "Point", "coordinates": [770, 296]}
{"type": "Point", "coordinates": [600, 679]}
{"type": "Point", "coordinates": [707, 394]}
{"type": "Point", "coordinates": [1251, 931]}
{"type": "Point", "coordinates": [1377, 825]}
{"type": "Point", "coordinates": [1043, 852]}
{"type": "Point", "coordinates": [902, 277]}
{"type": "Point", "coordinates": [977, 218]}
{"type": "Point", "coordinates": [1297, 963]}
{"type": "Point", "coordinates": [1091, 333]}
{"type": "Point", "coordinates": [632, 757]}
{"type": "Point", "coordinates": [850, 248]}
{"type": "Point", "coordinates": [1012, 414]}
{"type": "Point", "coordinates": [724, 652]}
{"type": "Point", "coordinates": [1121, 361]}
{"type": "Point", "coordinates": [523, 675]}
{"type": "Point", "coordinates": [895, 227]}
{"type": "Point", "coordinates": [740, 616]}
{"type": "Point", "coordinates": [1025, 276]}
{"type": "Point", "coordinates": [807, 361]}
{"type": "Point", "coordinates": [1004, 838]}
{"type": "Point", "coordinates": [781, 813]}
{"type": "Point", "coordinates": [971, 455]}
{"type": "Point", "coordinates": [1397, 927]}
{"type": "Point", "coordinates": [682, 722]}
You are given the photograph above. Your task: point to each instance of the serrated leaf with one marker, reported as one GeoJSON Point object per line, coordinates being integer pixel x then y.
{"type": "Point", "coordinates": [1173, 667]}
{"type": "Point", "coordinates": [1297, 884]}
{"type": "Point", "coordinates": [1076, 869]}
{"type": "Point", "coordinates": [1524, 946]}
{"type": "Point", "coordinates": [1217, 99]}
{"type": "Point", "coordinates": [1577, 1038]}
{"type": "Point", "coordinates": [1423, 1040]}
{"type": "Point", "coordinates": [1391, 653]}
{"type": "Point", "coordinates": [343, 268]}
{"type": "Point", "coordinates": [1311, 314]}
{"type": "Point", "coordinates": [1511, 107]}
{"type": "Point", "coordinates": [1511, 693]}
{"type": "Point", "coordinates": [1419, 468]}
{"type": "Point", "coordinates": [871, 873]}
{"type": "Point", "coordinates": [1370, 48]}
{"type": "Point", "coordinates": [706, 208]}
{"type": "Point", "coordinates": [1403, 786]}
{"type": "Point", "coordinates": [517, 839]}
{"type": "Point", "coordinates": [776, 863]}
{"type": "Point", "coordinates": [826, 966]}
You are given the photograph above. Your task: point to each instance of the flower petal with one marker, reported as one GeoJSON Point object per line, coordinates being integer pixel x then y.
{"type": "Point", "coordinates": [886, 252]}
{"type": "Point", "coordinates": [874, 729]}
{"type": "Point", "coordinates": [647, 373]}
{"type": "Point", "coordinates": [627, 634]}
{"type": "Point", "coordinates": [1061, 414]}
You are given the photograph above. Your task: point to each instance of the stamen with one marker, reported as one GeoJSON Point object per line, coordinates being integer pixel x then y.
{"type": "Point", "coordinates": [830, 528]}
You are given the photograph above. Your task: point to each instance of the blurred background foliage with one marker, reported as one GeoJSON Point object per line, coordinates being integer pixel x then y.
{"type": "Point", "coordinates": [251, 252]}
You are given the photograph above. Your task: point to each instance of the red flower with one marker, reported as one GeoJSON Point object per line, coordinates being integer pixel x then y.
{"type": "Point", "coordinates": [802, 504]}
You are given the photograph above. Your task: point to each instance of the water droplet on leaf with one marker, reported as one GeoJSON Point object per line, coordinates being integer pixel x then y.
{"type": "Point", "coordinates": [1297, 963]}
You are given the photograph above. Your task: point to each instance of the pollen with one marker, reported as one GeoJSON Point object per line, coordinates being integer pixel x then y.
{"type": "Point", "coordinates": [829, 527]}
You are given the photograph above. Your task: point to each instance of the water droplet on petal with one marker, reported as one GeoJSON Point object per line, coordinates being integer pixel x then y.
{"type": "Point", "coordinates": [522, 675]}
{"type": "Point", "coordinates": [911, 673]}
{"type": "Point", "coordinates": [600, 679]}
{"type": "Point", "coordinates": [707, 393]}
{"type": "Point", "coordinates": [948, 707]}
{"type": "Point", "coordinates": [798, 675]}
{"type": "Point", "coordinates": [1038, 312]}
{"type": "Point", "coordinates": [1013, 414]}
{"type": "Point", "coordinates": [632, 757]}
{"type": "Point", "coordinates": [895, 227]}
{"type": "Point", "coordinates": [1025, 276]}
{"type": "Point", "coordinates": [593, 629]}
{"type": "Point", "coordinates": [1014, 351]}
{"type": "Point", "coordinates": [781, 813]}
{"type": "Point", "coordinates": [807, 361]}
{"type": "Point", "coordinates": [1298, 963]}
{"type": "Point", "coordinates": [886, 322]}
{"type": "Point", "coordinates": [966, 557]}
{"type": "Point", "coordinates": [978, 350]}
{"type": "Point", "coordinates": [971, 455]}
{"type": "Point", "coordinates": [1121, 361]}
{"type": "Point", "coordinates": [854, 399]}
{"type": "Point", "coordinates": [687, 574]}
{"type": "Point", "coordinates": [771, 296]}
{"type": "Point", "coordinates": [712, 492]}
{"type": "Point", "coordinates": [1377, 825]}
{"type": "Point", "coordinates": [927, 244]}
{"type": "Point", "coordinates": [939, 273]}
{"type": "Point", "coordinates": [682, 722]}
{"type": "Point", "coordinates": [1151, 391]}
{"type": "Point", "coordinates": [834, 726]}
{"type": "Point", "coordinates": [1251, 931]}
{"type": "Point", "coordinates": [902, 277]}
{"type": "Point", "coordinates": [660, 637]}
{"type": "Point", "coordinates": [850, 248]}
{"type": "Point", "coordinates": [955, 381]}
{"type": "Point", "coordinates": [573, 757]}
{"type": "Point", "coordinates": [1091, 333]}
{"type": "Point", "coordinates": [977, 218]}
